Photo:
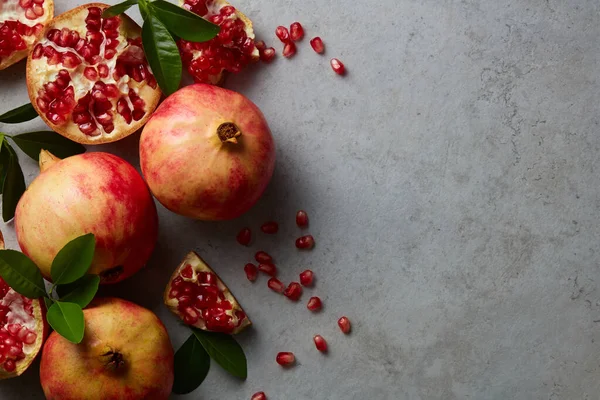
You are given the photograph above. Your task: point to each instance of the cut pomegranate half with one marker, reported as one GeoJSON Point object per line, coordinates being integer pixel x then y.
{"type": "Point", "coordinates": [23, 329]}
{"type": "Point", "coordinates": [22, 24]}
{"type": "Point", "coordinates": [88, 77]}
{"type": "Point", "coordinates": [231, 51]}
{"type": "Point", "coordinates": [200, 298]}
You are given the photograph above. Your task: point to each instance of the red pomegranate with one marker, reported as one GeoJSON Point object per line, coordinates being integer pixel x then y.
{"type": "Point", "coordinates": [88, 77]}
{"type": "Point", "coordinates": [21, 25]}
{"type": "Point", "coordinates": [95, 193]}
{"type": "Point", "coordinates": [231, 51]}
{"type": "Point", "coordinates": [23, 329]}
{"type": "Point", "coordinates": [207, 153]}
{"type": "Point", "coordinates": [199, 297]}
{"type": "Point", "coordinates": [125, 354]}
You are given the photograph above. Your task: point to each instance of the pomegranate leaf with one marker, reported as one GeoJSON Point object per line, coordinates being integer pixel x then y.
{"type": "Point", "coordinates": [67, 320]}
{"type": "Point", "coordinates": [21, 274]}
{"type": "Point", "coordinates": [183, 23]}
{"type": "Point", "coordinates": [118, 8]}
{"type": "Point", "coordinates": [4, 159]}
{"type": "Point", "coordinates": [20, 114]}
{"type": "Point", "coordinates": [33, 142]}
{"type": "Point", "coordinates": [81, 292]}
{"type": "Point", "coordinates": [13, 186]}
{"type": "Point", "coordinates": [162, 54]}
{"type": "Point", "coordinates": [192, 364]}
{"type": "Point", "coordinates": [73, 260]}
{"type": "Point", "coordinates": [225, 351]}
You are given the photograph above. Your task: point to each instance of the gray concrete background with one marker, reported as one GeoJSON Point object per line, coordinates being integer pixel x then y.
{"type": "Point", "coordinates": [452, 184]}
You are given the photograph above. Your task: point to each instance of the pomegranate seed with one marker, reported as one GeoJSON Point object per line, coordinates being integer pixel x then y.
{"type": "Point", "coordinates": [301, 218]}
{"type": "Point", "coordinates": [305, 242]}
{"type": "Point", "coordinates": [307, 277]}
{"type": "Point", "coordinates": [289, 50]}
{"type": "Point", "coordinates": [275, 285]}
{"type": "Point", "coordinates": [337, 66]}
{"type": "Point", "coordinates": [285, 358]}
{"type": "Point", "coordinates": [263, 256]}
{"type": "Point", "coordinates": [251, 272]}
{"type": "Point", "coordinates": [244, 237]}
{"type": "Point", "coordinates": [259, 396]}
{"type": "Point", "coordinates": [344, 324]}
{"type": "Point", "coordinates": [293, 291]}
{"type": "Point", "coordinates": [267, 55]}
{"type": "Point", "coordinates": [317, 45]}
{"type": "Point", "coordinates": [314, 304]}
{"type": "Point", "coordinates": [270, 227]}
{"type": "Point", "coordinates": [260, 45]}
{"type": "Point", "coordinates": [296, 31]}
{"type": "Point", "coordinates": [268, 268]}
{"type": "Point", "coordinates": [282, 33]}
{"type": "Point", "coordinates": [320, 343]}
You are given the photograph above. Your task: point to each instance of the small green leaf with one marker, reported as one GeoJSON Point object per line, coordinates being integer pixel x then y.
{"type": "Point", "coordinates": [13, 186]}
{"type": "Point", "coordinates": [162, 54]}
{"type": "Point", "coordinates": [19, 114]}
{"type": "Point", "coordinates": [73, 260]}
{"type": "Point", "coordinates": [67, 320]}
{"type": "Point", "coordinates": [81, 292]}
{"type": "Point", "coordinates": [48, 302]}
{"type": "Point", "coordinates": [4, 160]}
{"type": "Point", "coordinates": [21, 274]}
{"type": "Point", "coordinates": [225, 351]}
{"type": "Point", "coordinates": [183, 23]}
{"type": "Point", "coordinates": [192, 364]}
{"type": "Point", "coordinates": [118, 8]}
{"type": "Point", "coordinates": [33, 142]}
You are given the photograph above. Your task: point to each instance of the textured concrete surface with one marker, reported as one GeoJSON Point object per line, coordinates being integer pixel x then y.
{"type": "Point", "coordinates": [452, 184]}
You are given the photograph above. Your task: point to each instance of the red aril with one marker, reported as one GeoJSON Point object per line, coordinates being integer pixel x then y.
{"type": "Point", "coordinates": [337, 66]}
{"type": "Point", "coordinates": [268, 268]}
{"type": "Point", "coordinates": [307, 277]}
{"type": "Point", "coordinates": [270, 227]}
{"type": "Point", "coordinates": [317, 45]}
{"type": "Point", "coordinates": [260, 45]}
{"type": "Point", "coordinates": [202, 300]}
{"type": "Point", "coordinates": [22, 24]}
{"type": "Point", "coordinates": [314, 304]}
{"type": "Point", "coordinates": [301, 218]}
{"type": "Point", "coordinates": [344, 324]}
{"type": "Point", "coordinates": [88, 77]}
{"type": "Point", "coordinates": [320, 343]}
{"type": "Point", "coordinates": [259, 396]}
{"type": "Point", "coordinates": [251, 272]}
{"type": "Point", "coordinates": [244, 237]}
{"type": "Point", "coordinates": [282, 33]}
{"type": "Point", "coordinates": [267, 55]}
{"type": "Point", "coordinates": [296, 31]}
{"type": "Point", "coordinates": [263, 257]}
{"type": "Point", "coordinates": [285, 358]}
{"type": "Point", "coordinates": [293, 291]}
{"type": "Point", "coordinates": [275, 285]}
{"type": "Point", "coordinates": [289, 50]}
{"type": "Point", "coordinates": [305, 242]}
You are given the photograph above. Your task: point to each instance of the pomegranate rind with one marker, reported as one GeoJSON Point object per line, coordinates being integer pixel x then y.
{"type": "Point", "coordinates": [198, 264]}
{"type": "Point", "coordinates": [32, 39]}
{"type": "Point", "coordinates": [39, 72]}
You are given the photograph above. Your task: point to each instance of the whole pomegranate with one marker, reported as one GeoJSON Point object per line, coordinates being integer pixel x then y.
{"type": "Point", "coordinates": [95, 193]}
{"type": "Point", "coordinates": [125, 354]}
{"type": "Point", "coordinates": [207, 153]}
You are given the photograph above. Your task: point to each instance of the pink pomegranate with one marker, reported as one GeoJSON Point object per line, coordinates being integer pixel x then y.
{"type": "Point", "coordinates": [125, 354]}
{"type": "Point", "coordinates": [95, 193]}
{"type": "Point", "coordinates": [207, 153]}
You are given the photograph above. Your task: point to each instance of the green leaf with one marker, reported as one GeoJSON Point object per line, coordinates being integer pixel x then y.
{"type": "Point", "coordinates": [183, 23]}
{"type": "Point", "coordinates": [73, 260]}
{"type": "Point", "coordinates": [19, 114]}
{"type": "Point", "coordinates": [192, 364]}
{"type": "Point", "coordinates": [4, 159]}
{"type": "Point", "coordinates": [21, 274]}
{"type": "Point", "coordinates": [33, 142]}
{"type": "Point", "coordinates": [48, 302]}
{"type": "Point", "coordinates": [162, 54]}
{"type": "Point", "coordinates": [225, 351]}
{"type": "Point", "coordinates": [13, 186]}
{"type": "Point", "coordinates": [118, 8]}
{"type": "Point", "coordinates": [67, 320]}
{"type": "Point", "coordinates": [81, 292]}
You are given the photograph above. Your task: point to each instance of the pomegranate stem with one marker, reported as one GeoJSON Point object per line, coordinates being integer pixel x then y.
{"type": "Point", "coordinates": [228, 132]}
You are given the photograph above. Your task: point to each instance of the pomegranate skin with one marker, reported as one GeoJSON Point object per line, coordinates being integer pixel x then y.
{"type": "Point", "coordinates": [197, 168]}
{"type": "Point", "coordinates": [125, 354]}
{"type": "Point", "coordinates": [95, 193]}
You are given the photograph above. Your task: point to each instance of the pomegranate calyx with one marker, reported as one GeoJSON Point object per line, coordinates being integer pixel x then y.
{"type": "Point", "coordinates": [113, 360]}
{"type": "Point", "coordinates": [228, 132]}
{"type": "Point", "coordinates": [47, 160]}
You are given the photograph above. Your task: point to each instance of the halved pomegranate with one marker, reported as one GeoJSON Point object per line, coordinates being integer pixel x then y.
{"type": "Point", "coordinates": [88, 77]}
{"type": "Point", "coordinates": [22, 24]}
{"type": "Point", "coordinates": [23, 329]}
{"type": "Point", "coordinates": [232, 50]}
{"type": "Point", "coordinates": [198, 296]}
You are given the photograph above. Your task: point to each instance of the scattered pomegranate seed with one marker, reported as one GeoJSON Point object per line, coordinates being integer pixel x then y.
{"type": "Point", "coordinates": [344, 324]}
{"type": "Point", "coordinates": [285, 358]}
{"type": "Point", "coordinates": [268, 268]}
{"type": "Point", "coordinates": [244, 237]}
{"type": "Point", "coordinates": [305, 242]}
{"type": "Point", "coordinates": [263, 256]}
{"type": "Point", "coordinates": [296, 31]}
{"type": "Point", "coordinates": [270, 227]}
{"type": "Point", "coordinates": [317, 45]}
{"type": "Point", "coordinates": [260, 45]}
{"type": "Point", "coordinates": [301, 218]}
{"type": "Point", "coordinates": [275, 285]}
{"type": "Point", "coordinates": [282, 33]}
{"type": "Point", "coordinates": [320, 343]}
{"type": "Point", "coordinates": [314, 304]}
{"type": "Point", "coordinates": [307, 277]}
{"type": "Point", "coordinates": [337, 66]}
{"type": "Point", "coordinates": [251, 272]}
{"type": "Point", "coordinates": [289, 50]}
{"type": "Point", "coordinates": [259, 396]}
{"type": "Point", "coordinates": [267, 55]}
{"type": "Point", "coordinates": [293, 291]}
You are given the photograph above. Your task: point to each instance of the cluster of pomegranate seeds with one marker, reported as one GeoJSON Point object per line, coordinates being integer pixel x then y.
{"type": "Point", "coordinates": [307, 277]}
{"type": "Point", "coordinates": [320, 343]}
{"type": "Point", "coordinates": [244, 237]}
{"type": "Point", "coordinates": [275, 285]}
{"type": "Point", "coordinates": [285, 358]}
{"type": "Point", "coordinates": [314, 304]}
{"type": "Point", "coordinates": [337, 66]}
{"type": "Point", "coordinates": [57, 98]}
{"type": "Point", "coordinates": [270, 227]}
{"type": "Point", "coordinates": [293, 291]}
{"type": "Point", "coordinates": [305, 242]}
{"type": "Point", "coordinates": [302, 219]}
{"type": "Point", "coordinates": [259, 396]}
{"type": "Point", "coordinates": [251, 272]}
{"type": "Point", "coordinates": [317, 44]}
{"type": "Point", "coordinates": [344, 324]}
{"type": "Point", "coordinates": [12, 33]}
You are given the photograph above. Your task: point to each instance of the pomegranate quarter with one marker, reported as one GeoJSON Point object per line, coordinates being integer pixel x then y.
{"type": "Point", "coordinates": [207, 153]}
